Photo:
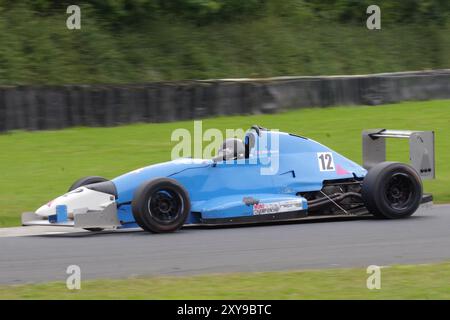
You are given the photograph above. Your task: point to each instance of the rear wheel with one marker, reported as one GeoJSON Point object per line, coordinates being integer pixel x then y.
{"type": "Point", "coordinates": [161, 205]}
{"type": "Point", "coordinates": [392, 190]}
{"type": "Point", "coordinates": [83, 182]}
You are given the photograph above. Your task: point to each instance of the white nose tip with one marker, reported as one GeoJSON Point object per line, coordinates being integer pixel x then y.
{"type": "Point", "coordinates": [81, 198]}
{"type": "Point", "coordinates": [46, 210]}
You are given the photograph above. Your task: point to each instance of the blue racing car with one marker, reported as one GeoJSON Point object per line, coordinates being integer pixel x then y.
{"type": "Point", "coordinates": [267, 176]}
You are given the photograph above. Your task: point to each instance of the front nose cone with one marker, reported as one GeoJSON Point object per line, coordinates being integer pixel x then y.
{"type": "Point", "coordinates": [46, 210]}
{"type": "Point", "coordinates": [81, 199]}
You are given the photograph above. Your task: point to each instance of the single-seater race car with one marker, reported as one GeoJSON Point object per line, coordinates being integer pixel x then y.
{"type": "Point", "coordinates": [267, 176]}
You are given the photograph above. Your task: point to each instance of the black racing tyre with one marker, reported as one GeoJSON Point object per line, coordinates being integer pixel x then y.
{"type": "Point", "coordinates": [392, 190]}
{"type": "Point", "coordinates": [161, 205]}
{"type": "Point", "coordinates": [83, 182]}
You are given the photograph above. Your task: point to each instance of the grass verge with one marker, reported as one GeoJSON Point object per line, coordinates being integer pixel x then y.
{"type": "Point", "coordinates": [397, 282]}
{"type": "Point", "coordinates": [39, 166]}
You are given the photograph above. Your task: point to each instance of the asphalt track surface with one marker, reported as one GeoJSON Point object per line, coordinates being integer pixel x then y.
{"type": "Point", "coordinates": [423, 238]}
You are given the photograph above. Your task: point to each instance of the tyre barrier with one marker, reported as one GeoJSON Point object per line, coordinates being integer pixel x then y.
{"type": "Point", "coordinates": [57, 107]}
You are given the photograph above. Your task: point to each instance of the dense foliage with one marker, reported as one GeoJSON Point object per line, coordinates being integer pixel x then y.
{"type": "Point", "coordinates": [146, 40]}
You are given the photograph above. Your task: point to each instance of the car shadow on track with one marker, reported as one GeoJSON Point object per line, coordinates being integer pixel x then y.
{"type": "Point", "coordinates": [138, 231]}
{"type": "Point", "coordinates": [186, 229]}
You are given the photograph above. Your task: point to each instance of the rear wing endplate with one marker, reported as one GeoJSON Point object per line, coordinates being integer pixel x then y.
{"type": "Point", "coordinates": [421, 149]}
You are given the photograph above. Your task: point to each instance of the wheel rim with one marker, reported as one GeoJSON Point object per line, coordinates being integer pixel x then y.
{"type": "Point", "coordinates": [400, 191]}
{"type": "Point", "coordinates": [165, 206]}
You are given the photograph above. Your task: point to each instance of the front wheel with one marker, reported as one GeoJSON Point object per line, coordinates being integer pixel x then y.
{"type": "Point", "coordinates": [161, 205]}
{"type": "Point", "coordinates": [85, 181]}
{"type": "Point", "coordinates": [392, 190]}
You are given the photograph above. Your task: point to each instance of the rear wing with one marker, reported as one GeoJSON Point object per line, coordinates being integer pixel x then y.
{"type": "Point", "coordinates": [421, 149]}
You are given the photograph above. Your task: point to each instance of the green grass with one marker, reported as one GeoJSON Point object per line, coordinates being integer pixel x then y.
{"type": "Point", "coordinates": [38, 166]}
{"type": "Point", "coordinates": [397, 282]}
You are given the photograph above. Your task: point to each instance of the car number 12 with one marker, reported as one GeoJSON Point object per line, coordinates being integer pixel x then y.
{"type": "Point", "coordinates": [326, 162]}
